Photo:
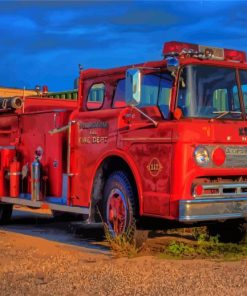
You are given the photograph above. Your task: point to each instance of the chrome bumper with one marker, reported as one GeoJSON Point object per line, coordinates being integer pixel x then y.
{"type": "Point", "coordinates": [212, 209]}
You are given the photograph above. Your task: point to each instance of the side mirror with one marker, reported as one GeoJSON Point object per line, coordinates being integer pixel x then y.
{"type": "Point", "coordinates": [133, 87]}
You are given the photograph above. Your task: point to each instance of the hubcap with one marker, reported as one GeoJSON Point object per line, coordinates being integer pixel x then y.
{"type": "Point", "coordinates": [116, 211]}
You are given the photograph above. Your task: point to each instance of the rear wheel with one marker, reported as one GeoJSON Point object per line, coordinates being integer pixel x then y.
{"type": "Point", "coordinates": [119, 205]}
{"type": "Point", "coordinates": [230, 231]}
{"type": "Point", "coordinates": [5, 213]}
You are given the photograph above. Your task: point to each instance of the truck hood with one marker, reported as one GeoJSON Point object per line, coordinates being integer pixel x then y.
{"type": "Point", "coordinates": [215, 131]}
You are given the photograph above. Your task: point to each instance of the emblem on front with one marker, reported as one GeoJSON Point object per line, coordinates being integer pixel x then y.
{"type": "Point", "coordinates": [154, 167]}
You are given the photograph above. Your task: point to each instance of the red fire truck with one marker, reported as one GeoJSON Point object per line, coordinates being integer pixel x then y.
{"type": "Point", "coordinates": [164, 139]}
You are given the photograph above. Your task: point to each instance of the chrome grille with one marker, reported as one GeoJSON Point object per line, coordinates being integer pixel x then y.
{"type": "Point", "coordinates": [223, 190]}
{"type": "Point", "coordinates": [236, 156]}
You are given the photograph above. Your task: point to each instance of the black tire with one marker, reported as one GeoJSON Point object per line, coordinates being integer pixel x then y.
{"type": "Point", "coordinates": [119, 205]}
{"type": "Point", "coordinates": [5, 213]}
{"type": "Point", "coordinates": [228, 232]}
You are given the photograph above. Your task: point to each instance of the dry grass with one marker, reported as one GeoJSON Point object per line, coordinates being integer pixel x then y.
{"type": "Point", "coordinates": [123, 245]}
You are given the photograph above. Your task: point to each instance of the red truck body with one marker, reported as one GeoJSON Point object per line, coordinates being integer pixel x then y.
{"type": "Point", "coordinates": [180, 165]}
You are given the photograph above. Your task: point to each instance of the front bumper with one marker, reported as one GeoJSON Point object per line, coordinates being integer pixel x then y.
{"type": "Point", "coordinates": [212, 209]}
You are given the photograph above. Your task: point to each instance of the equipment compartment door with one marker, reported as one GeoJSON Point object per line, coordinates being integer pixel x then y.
{"type": "Point", "coordinates": [35, 135]}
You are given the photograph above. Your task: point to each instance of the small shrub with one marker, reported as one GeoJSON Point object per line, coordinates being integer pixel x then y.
{"type": "Point", "coordinates": [122, 245]}
{"type": "Point", "coordinates": [200, 233]}
{"type": "Point", "coordinates": [179, 248]}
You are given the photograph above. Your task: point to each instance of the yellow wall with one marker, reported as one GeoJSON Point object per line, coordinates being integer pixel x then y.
{"type": "Point", "coordinates": [12, 92]}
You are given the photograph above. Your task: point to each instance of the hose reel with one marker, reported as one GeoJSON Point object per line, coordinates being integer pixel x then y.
{"type": "Point", "coordinates": [11, 103]}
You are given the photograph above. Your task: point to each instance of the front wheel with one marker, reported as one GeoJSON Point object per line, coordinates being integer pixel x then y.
{"type": "Point", "coordinates": [5, 213]}
{"type": "Point", "coordinates": [119, 205]}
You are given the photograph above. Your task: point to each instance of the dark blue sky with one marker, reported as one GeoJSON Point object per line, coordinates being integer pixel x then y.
{"type": "Point", "coordinates": [42, 42]}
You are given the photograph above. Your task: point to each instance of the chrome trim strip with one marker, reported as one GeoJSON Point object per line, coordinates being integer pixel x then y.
{"type": "Point", "coordinates": [224, 185]}
{"type": "Point", "coordinates": [7, 147]}
{"type": "Point", "coordinates": [38, 204]}
{"type": "Point", "coordinates": [148, 139]}
{"type": "Point", "coordinates": [15, 174]}
{"type": "Point", "coordinates": [212, 209]}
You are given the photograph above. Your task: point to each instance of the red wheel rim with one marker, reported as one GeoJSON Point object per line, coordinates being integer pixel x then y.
{"type": "Point", "coordinates": [116, 212]}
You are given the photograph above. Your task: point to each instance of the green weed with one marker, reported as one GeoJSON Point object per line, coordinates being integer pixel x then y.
{"type": "Point", "coordinates": [205, 247]}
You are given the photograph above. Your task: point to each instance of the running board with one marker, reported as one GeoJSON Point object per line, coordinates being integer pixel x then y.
{"type": "Point", "coordinates": [39, 204]}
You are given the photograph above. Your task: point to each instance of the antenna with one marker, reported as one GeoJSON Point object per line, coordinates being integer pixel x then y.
{"type": "Point", "coordinates": [80, 67]}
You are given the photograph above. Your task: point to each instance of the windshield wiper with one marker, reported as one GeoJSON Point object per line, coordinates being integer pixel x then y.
{"type": "Point", "coordinates": [224, 113]}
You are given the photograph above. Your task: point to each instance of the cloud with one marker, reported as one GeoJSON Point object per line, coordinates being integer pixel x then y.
{"type": "Point", "coordinates": [11, 22]}
{"type": "Point", "coordinates": [145, 17]}
{"type": "Point", "coordinates": [43, 41]}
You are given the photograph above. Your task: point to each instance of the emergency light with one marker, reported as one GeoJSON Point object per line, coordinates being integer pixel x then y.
{"type": "Point", "coordinates": [182, 49]}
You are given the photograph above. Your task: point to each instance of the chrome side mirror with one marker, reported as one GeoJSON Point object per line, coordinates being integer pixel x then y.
{"type": "Point", "coordinates": [133, 87]}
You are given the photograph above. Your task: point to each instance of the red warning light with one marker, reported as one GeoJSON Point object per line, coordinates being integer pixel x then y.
{"type": "Point", "coordinates": [178, 47]}
{"type": "Point", "coordinates": [235, 55]}
{"type": "Point", "coordinates": [204, 52]}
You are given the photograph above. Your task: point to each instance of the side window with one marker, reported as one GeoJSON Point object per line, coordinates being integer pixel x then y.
{"type": "Point", "coordinates": [96, 96]}
{"type": "Point", "coordinates": [119, 96]}
{"type": "Point", "coordinates": [156, 90]}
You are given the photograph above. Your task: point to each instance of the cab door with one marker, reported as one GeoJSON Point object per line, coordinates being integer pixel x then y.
{"type": "Point", "coordinates": [148, 140]}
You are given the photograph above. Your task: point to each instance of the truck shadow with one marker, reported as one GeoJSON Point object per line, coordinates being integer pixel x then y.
{"type": "Point", "coordinates": [58, 230]}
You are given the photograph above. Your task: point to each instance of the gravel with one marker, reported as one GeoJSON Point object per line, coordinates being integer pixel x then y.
{"type": "Point", "coordinates": [34, 266]}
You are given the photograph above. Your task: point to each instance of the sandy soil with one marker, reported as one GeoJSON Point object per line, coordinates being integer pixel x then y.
{"type": "Point", "coordinates": [35, 266]}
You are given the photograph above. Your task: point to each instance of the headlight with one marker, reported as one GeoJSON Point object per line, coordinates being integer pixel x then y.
{"type": "Point", "coordinates": [201, 156]}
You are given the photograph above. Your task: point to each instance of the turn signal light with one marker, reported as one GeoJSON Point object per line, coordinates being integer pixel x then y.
{"type": "Point", "coordinates": [198, 190]}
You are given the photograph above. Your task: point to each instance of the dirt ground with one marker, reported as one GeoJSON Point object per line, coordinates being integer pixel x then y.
{"type": "Point", "coordinates": [30, 265]}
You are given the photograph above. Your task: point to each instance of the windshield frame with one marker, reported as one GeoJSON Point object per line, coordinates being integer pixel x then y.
{"type": "Point", "coordinates": [235, 68]}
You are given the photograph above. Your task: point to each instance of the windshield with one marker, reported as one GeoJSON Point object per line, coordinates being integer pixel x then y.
{"type": "Point", "coordinates": [209, 92]}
